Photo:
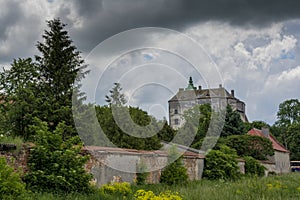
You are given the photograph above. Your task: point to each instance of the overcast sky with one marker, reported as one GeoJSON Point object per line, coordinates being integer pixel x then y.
{"type": "Point", "coordinates": [250, 46]}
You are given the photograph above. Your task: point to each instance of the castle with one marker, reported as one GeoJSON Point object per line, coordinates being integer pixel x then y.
{"type": "Point", "coordinates": [191, 96]}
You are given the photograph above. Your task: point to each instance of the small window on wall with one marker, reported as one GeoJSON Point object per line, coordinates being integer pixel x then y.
{"type": "Point", "coordinates": [176, 111]}
{"type": "Point", "coordinates": [176, 121]}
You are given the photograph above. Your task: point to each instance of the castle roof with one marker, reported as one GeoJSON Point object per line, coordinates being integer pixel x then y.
{"type": "Point", "coordinates": [188, 94]}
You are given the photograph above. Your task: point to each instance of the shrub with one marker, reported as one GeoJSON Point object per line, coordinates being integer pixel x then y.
{"type": "Point", "coordinates": [149, 195]}
{"type": "Point", "coordinates": [142, 174]}
{"type": "Point", "coordinates": [123, 188]}
{"type": "Point", "coordinates": [54, 164]}
{"type": "Point", "coordinates": [221, 164]}
{"type": "Point", "coordinates": [253, 167]}
{"type": "Point", "coordinates": [11, 185]}
{"type": "Point", "coordinates": [175, 172]}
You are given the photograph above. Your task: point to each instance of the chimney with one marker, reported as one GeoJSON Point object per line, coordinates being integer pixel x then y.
{"type": "Point", "coordinates": [220, 85]}
{"type": "Point", "coordinates": [200, 87]}
{"type": "Point", "coordinates": [265, 131]}
{"type": "Point", "coordinates": [232, 93]}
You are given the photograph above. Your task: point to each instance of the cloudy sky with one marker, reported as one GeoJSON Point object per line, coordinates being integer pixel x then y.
{"type": "Point", "coordinates": [249, 46]}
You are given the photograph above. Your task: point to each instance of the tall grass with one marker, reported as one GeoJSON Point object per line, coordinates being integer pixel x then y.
{"type": "Point", "coordinates": [275, 187]}
{"type": "Point", "coordinates": [18, 141]}
{"type": "Point", "coordinates": [268, 188]}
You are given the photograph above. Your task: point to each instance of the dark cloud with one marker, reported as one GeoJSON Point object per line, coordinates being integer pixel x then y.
{"type": "Point", "coordinates": [104, 18]}
{"type": "Point", "coordinates": [10, 16]}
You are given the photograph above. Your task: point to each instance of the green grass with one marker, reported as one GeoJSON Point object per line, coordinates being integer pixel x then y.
{"type": "Point", "coordinates": [18, 141]}
{"type": "Point", "coordinates": [265, 188]}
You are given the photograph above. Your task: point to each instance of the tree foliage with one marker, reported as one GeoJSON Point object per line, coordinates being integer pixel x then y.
{"type": "Point", "coordinates": [128, 139]}
{"type": "Point", "coordinates": [288, 113]}
{"type": "Point", "coordinates": [255, 124]}
{"type": "Point", "coordinates": [233, 123]}
{"type": "Point", "coordinates": [286, 127]}
{"type": "Point", "coordinates": [247, 145]}
{"type": "Point", "coordinates": [175, 172]}
{"type": "Point", "coordinates": [42, 88]}
{"type": "Point", "coordinates": [11, 185]}
{"type": "Point", "coordinates": [59, 65]}
{"type": "Point", "coordinates": [116, 97]}
{"type": "Point", "coordinates": [221, 164]}
{"type": "Point", "coordinates": [19, 104]}
{"type": "Point", "coordinates": [253, 167]}
{"type": "Point", "coordinates": [197, 120]}
{"type": "Point", "coordinates": [293, 140]}
{"type": "Point", "coordinates": [56, 165]}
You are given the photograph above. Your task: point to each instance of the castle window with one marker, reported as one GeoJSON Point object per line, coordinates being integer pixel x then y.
{"type": "Point", "coordinates": [176, 121]}
{"type": "Point", "coordinates": [176, 111]}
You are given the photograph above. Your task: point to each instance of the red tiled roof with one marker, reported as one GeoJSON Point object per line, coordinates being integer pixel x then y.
{"type": "Point", "coordinates": [276, 145]}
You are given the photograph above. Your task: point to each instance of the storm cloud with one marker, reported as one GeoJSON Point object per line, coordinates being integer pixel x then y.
{"type": "Point", "coordinates": [105, 18]}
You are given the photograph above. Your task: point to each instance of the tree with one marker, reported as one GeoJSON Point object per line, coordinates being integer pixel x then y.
{"type": "Point", "coordinates": [255, 124]}
{"type": "Point", "coordinates": [287, 115]}
{"type": "Point", "coordinates": [175, 172]}
{"type": "Point", "coordinates": [233, 123]}
{"type": "Point", "coordinates": [59, 65]}
{"type": "Point", "coordinates": [293, 140]}
{"type": "Point", "coordinates": [197, 121]}
{"type": "Point", "coordinates": [54, 164]}
{"type": "Point", "coordinates": [116, 97]}
{"type": "Point", "coordinates": [134, 137]}
{"type": "Point", "coordinates": [253, 167]}
{"type": "Point", "coordinates": [221, 164]}
{"type": "Point", "coordinates": [248, 145]}
{"type": "Point", "coordinates": [19, 101]}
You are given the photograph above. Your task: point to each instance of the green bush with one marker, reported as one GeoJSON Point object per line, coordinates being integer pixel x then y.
{"type": "Point", "coordinates": [11, 185]}
{"type": "Point", "coordinates": [123, 189]}
{"type": "Point", "coordinates": [149, 195]}
{"type": "Point", "coordinates": [221, 164]}
{"type": "Point", "coordinates": [253, 167]}
{"type": "Point", "coordinates": [142, 174]}
{"type": "Point", "coordinates": [54, 164]}
{"type": "Point", "coordinates": [175, 172]}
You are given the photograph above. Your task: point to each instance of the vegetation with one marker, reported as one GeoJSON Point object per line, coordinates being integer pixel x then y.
{"type": "Point", "coordinates": [55, 165]}
{"type": "Point", "coordinates": [247, 145]}
{"type": "Point", "coordinates": [175, 172]}
{"type": "Point", "coordinates": [221, 164]}
{"type": "Point", "coordinates": [43, 87]}
{"type": "Point", "coordinates": [122, 189]}
{"type": "Point", "coordinates": [36, 105]}
{"type": "Point", "coordinates": [18, 141]}
{"type": "Point", "coordinates": [253, 167]}
{"type": "Point", "coordinates": [11, 185]}
{"type": "Point", "coordinates": [252, 188]}
{"type": "Point", "coordinates": [233, 123]}
{"type": "Point", "coordinates": [287, 126]}
{"type": "Point", "coordinates": [142, 173]}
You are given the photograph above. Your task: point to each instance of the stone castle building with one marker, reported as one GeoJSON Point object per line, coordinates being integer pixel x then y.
{"type": "Point", "coordinates": [191, 96]}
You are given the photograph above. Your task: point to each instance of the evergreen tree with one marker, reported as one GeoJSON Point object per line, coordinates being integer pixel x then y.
{"type": "Point", "coordinates": [59, 65]}
{"type": "Point", "coordinates": [233, 123]}
{"type": "Point", "coordinates": [175, 172]}
{"type": "Point", "coordinates": [116, 96]}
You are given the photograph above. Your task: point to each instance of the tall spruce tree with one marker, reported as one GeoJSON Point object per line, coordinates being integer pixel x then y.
{"type": "Point", "coordinates": [59, 65]}
{"type": "Point", "coordinates": [233, 123]}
